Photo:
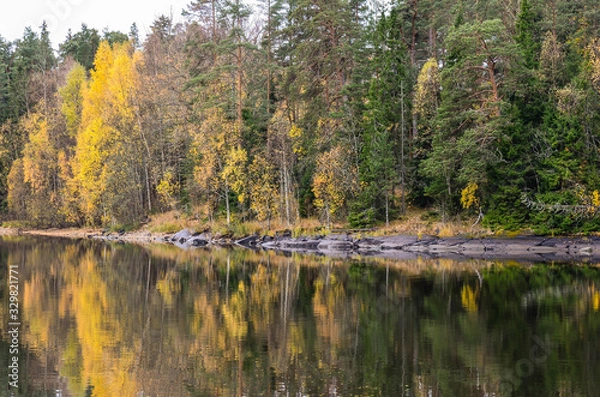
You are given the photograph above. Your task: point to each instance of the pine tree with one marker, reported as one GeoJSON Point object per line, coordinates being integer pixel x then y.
{"type": "Point", "coordinates": [384, 153]}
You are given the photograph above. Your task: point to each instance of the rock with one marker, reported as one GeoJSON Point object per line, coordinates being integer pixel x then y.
{"type": "Point", "coordinates": [397, 242]}
{"type": "Point", "coordinates": [338, 237]}
{"type": "Point", "coordinates": [184, 234]}
{"type": "Point", "coordinates": [335, 245]}
{"type": "Point", "coordinates": [368, 243]}
{"type": "Point", "coordinates": [250, 241]}
{"type": "Point", "coordinates": [199, 242]}
{"type": "Point", "coordinates": [285, 233]}
{"type": "Point", "coordinates": [270, 244]}
{"type": "Point", "coordinates": [294, 244]}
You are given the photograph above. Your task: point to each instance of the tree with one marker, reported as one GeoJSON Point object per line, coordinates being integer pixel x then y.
{"type": "Point", "coordinates": [72, 99]}
{"type": "Point", "coordinates": [34, 182]}
{"type": "Point", "coordinates": [164, 110]}
{"type": "Point", "coordinates": [109, 168]}
{"type": "Point", "coordinates": [264, 190]}
{"type": "Point", "coordinates": [384, 159]}
{"type": "Point", "coordinates": [41, 173]}
{"type": "Point", "coordinates": [71, 95]}
{"type": "Point", "coordinates": [283, 149]}
{"type": "Point", "coordinates": [333, 183]}
{"type": "Point", "coordinates": [470, 121]}
{"type": "Point", "coordinates": [213, 143]}
{"type": "Point", "coordinates": [552, 56]}
{"type": "Point", "coordinates": [81, 46]}
{"type": "Point", "coordinates": [527, 35]}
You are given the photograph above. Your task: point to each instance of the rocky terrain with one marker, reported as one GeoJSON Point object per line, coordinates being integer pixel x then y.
{"type": "Point", "coordinates": [521, 248]}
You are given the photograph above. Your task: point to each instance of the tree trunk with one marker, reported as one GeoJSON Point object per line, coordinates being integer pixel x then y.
{"type": "Point", "coordinates": [387, 209]}
{"type": "Point", "coordinates": [227, 202]}
{"type": "Point", "coordinates": [402, 159]}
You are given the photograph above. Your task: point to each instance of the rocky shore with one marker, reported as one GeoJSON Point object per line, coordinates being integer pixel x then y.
{"type": "Point", "coordinates": [521, 248]}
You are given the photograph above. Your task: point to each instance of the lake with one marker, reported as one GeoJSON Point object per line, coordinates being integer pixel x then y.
{"type": "Point", "coordinates": [100, 319]}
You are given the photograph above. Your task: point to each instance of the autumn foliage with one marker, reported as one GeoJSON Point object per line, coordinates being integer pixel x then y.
{"type": "Point", "coordinates": [338, 111]}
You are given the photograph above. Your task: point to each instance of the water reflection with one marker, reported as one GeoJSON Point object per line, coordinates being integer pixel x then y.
{"type": "Point", "coordinates": [124, 320]}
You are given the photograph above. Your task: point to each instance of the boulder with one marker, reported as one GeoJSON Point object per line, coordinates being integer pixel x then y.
{"type": "Point", "coordinates": [184, 235]}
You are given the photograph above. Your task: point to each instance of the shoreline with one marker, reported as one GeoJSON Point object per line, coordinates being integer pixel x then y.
{"type": "Point", "coordinates": [402, 247]}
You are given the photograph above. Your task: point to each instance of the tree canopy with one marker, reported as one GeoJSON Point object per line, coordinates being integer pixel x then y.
{"type": "Point", "coordinates": [342, 110]}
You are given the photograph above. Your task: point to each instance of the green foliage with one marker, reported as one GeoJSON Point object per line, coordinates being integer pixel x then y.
{"type": "Point", "coordinates": [337, 109]}
{"type": "Point", "coordinates": [528, 35]}
{"type": "Point", "coordinates": [82, 46]}
{"type": "Point", "coordinates": [360, 219]}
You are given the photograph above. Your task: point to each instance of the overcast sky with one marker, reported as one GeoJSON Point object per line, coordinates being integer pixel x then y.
{"type": "Point", "coordinates": [61, 15]}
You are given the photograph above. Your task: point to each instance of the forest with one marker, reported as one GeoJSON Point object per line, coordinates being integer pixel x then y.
{"type": "Point", "coordinates": [342, 110]}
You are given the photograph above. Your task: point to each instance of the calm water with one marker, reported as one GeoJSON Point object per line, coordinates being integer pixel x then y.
{"type": "Point", "coordinates": [123, 320]}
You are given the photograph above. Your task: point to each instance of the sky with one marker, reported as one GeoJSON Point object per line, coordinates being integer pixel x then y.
{"type": "Point", "coordinates": [60, 15]}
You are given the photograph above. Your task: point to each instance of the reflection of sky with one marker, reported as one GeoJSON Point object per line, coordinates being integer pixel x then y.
{"type": "Point", "coordinates": [62, 15]}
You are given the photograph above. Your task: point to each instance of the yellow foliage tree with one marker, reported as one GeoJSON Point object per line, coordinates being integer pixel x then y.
{"type": "Point", "coordinates": [593, 51]}
{"type": "Point", "coordinates": [17, 190]}
{"type": "Point", "coordinates": [264, 190]}
{"type": "Point", "coordinates": [468, 197]}
{"type": "Point", "coordinates": [109, 165]}
{"type": "Point", "coordinates": [333, 182]}
{"type": "Point", "coordinates": [427, 89]}
{"type": "Point", "coordinates": [34, 182]}
{"type": "Point", "coordinates": [218, 158]}
{"type": "Point", "coordinates": [167, 189]}
{"type": "Point", "coordinates": [72, 99]}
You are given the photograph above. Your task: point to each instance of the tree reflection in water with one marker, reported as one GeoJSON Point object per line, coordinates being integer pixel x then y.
{"type": "Point", "coordinates": [126, 320]}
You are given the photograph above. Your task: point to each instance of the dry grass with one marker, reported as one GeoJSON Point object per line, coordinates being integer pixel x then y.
{"type": "Point", "coordinates": [421, 222]}
{"type": "Point", "coordinates": [415, 222]}
{"type": "Point", "coordinates": [168, 222]}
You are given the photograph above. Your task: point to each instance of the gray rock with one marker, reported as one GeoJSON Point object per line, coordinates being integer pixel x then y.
{"type": "Point", "coordinates": [184, 234]}
{"type": "Point", "coordinates": [335, 245]}
{"type": "Point", "coordinates": [250, 241]}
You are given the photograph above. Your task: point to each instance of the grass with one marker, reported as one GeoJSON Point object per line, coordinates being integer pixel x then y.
{"type": "Point", "coordinates": [418, 222]}
{"type": "Point", "coordinates": [16, 224]}
{"type": "Point", "coordinates": [415, 222]}
{"type": "Point", "coordinates": [126, 227]}
{"type": "Point", "coordinates": [168, 227]}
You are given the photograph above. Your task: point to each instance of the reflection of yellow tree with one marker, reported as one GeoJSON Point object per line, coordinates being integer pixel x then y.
{"type": "Point", "coordinates": [264, 291]}
{"type": "Point", "coordinates": [333, 313]}
{"type": "Point", "coordinates": [234, 313]}
{"type": "Point", "coordinates": [468, 298]}
{"type": "Point", "coordinates": [107, 358]}
{"type": "Point", "coordinates": [71, 289]}
{"type": "Point", "coordinates": [194, 318]}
